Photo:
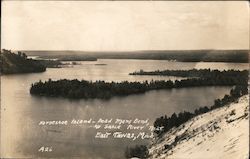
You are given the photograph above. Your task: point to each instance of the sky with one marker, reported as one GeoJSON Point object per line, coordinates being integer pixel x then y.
{"type": "Point", "coordinates": [124, 25]}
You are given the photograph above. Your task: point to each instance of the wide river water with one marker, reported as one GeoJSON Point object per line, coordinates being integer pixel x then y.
{"type": "Point", "coordinates": [22, 136]}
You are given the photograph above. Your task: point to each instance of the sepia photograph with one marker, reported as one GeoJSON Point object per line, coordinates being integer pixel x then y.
{"type": "Point", "coordinates": [124, 79]}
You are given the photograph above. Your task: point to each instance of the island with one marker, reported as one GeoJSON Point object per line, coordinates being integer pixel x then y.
{"type": "Point", "coordinates": [76, 89]}
{"type": "Point", "coordinates": [200, 73]}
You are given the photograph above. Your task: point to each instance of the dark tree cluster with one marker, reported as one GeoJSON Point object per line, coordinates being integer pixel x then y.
{"type": "Point", "coordinates": [235, 93]}
{"type": "Point", "coordinates": [99, 89]}
{"type": "Point", "coordinates": [176, 120]}
{"type": "Point", "coordinates": [199, 73]}
{"type": "Point", "coordinates": [105, 90]}
{"type": "Point", "coordinates": [18, 63]}
{"type": "Point", "coordinates": [50, 63]}
{"type": "Point", "coordinates": [139, 151]}
{"type": "Point", "coordinates": [76, 58]}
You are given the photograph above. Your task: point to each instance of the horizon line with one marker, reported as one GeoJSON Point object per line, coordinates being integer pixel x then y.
{"type": "Point", "coordinates": [137, 50]}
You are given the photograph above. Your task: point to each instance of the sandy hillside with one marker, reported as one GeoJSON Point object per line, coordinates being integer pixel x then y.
{"type": "Point", "coordinates": [220, 134]}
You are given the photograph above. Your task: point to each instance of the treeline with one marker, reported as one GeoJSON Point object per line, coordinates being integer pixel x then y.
{"type": "Point", "coordinates": [77, 58]}
{"type": "Point", "coordinates": [175, 55]}
{"type": "Point", "coordinates": [18, 63]}
{"type": "Point", "coordinates": [201, 73]}
{"type": "Point", "coordinates": [176, 120]}
{"type": "Point", "coordinates": [50, 63]}
{"type": "Point", "coordinates": [235, 56]}
{"type": "Point", "coordinates": [68, 57]}
{"type": "Point", "coordinates": [105, 90]}
{"type": "Point", "coordinates": [99, 89]}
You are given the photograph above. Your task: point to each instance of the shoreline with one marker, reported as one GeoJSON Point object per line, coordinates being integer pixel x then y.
{"type": "Point", "coordinates": [198, 135]}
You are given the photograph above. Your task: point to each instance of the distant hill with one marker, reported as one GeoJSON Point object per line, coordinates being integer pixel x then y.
{"type": "Point", "coordinates": [237, 56]}
{"type": "Point", "coordinates": [18, 63]}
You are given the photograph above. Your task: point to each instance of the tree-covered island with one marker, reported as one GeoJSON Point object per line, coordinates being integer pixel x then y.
{"type": "Point", "coordinates": [77, 89]}
{"type": "Point", "coordinates": [201, 73]}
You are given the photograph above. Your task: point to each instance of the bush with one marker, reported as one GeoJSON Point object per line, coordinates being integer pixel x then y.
{"type": "Point", "coordinates": [140, 151]}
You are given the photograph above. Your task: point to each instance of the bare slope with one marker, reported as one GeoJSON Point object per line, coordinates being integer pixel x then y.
{"type": "Point", "coordinates": [220, 134]}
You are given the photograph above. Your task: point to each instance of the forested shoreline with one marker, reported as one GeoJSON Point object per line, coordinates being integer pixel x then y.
{"type": "Point", "coordinates": [19, 63]}
{"type": "Point", "coordinates": [165, 124]}
{"type": "Point", "coordinates": [76, 89]}
{"type": "Point", "coordinates": [201, 73]}
{"type": "Point", "coordinates": [176, 120]}
{"type": "Point", "coordinates": [15, 63]}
